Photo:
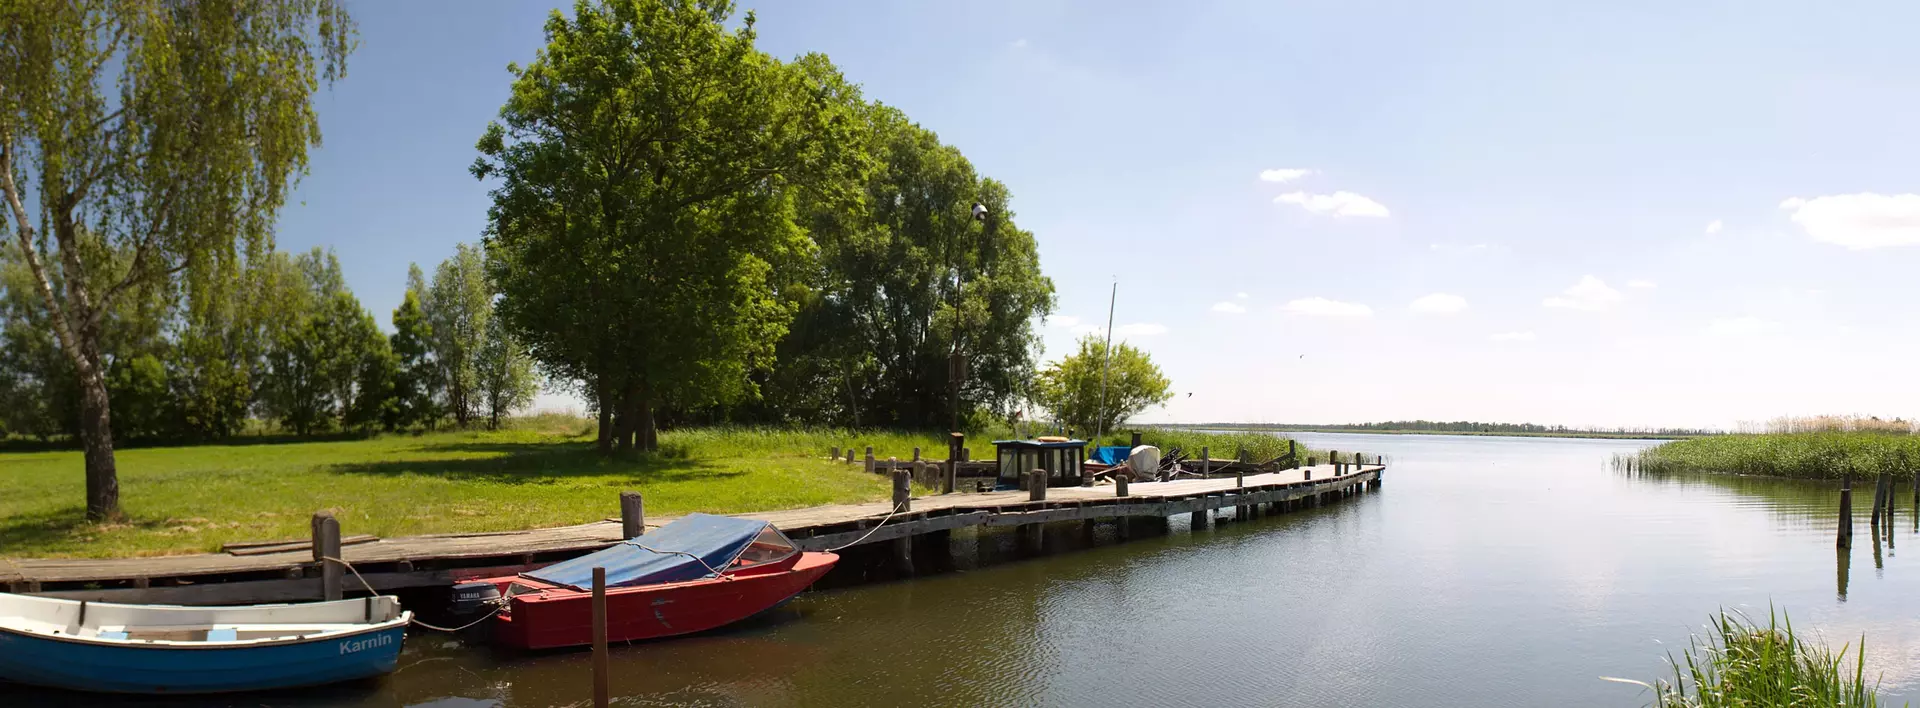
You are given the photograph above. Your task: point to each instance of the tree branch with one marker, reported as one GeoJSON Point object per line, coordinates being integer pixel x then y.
{"type": "Point", "coordinates": [23, 231]}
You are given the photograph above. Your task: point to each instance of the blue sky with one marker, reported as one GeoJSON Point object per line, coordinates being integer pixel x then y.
{"type": "Point", "coordinates": [1626, 213]}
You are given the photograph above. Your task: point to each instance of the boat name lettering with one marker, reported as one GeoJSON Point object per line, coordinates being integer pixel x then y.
{"type": "Point", "coordinates": [350, 646]}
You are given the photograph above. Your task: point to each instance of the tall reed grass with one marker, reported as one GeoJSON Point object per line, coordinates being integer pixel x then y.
{"type": "Point", "coordinates": [1741, 663]}
{"type": "Point", "coordinates": [1826, 455]}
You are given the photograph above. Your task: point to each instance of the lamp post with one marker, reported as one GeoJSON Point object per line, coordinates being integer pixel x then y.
{"type": "Point", "coordinates": [956, 361]}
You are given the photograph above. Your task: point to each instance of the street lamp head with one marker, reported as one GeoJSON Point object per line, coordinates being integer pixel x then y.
{"type": "Point", "coordinates": [979, 211]}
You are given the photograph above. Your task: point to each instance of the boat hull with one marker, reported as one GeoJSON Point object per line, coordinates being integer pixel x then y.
{"type": "Point", "coordinates": [563, 617]}
{"type": "Point", "coordinates": [89, 666]}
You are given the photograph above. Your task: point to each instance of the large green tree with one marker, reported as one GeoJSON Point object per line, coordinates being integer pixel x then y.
{"type": "Point", "coordinates": [1087, 395]}
{"type": "Point", "coordinates": [644, 222]}
{"type": "Point", "coordinates": [504, 373]}
{"type": "Point", "coordinates": [907, 275]}
{"type": "Point", "coordinates": [416, 376]}
{"type": "Point", "coordinates": [168, 128]}
{"type": "Point", "coordinates": [458, 308]}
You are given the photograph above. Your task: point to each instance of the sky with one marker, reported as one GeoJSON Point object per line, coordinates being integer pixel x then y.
{"type": "Point", "coordinates": [1603, 214]}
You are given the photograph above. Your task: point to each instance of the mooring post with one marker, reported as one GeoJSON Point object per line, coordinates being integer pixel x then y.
{"type": "Point", "coordinates": [633, 515]}
{"type": "Point", "coordinates": [850, 459]}
{"type": "Point", "coordinates": [902, 491]}
{"type": "Point", "coordinates": [1293, 460]}
{"type": "Point", "coordinates": [1120, 480]}
{"type": "Point", "coordinates": [1206, 461]}
{"type": "Point", "coordinates": [1086, 476]}
{"type": "Point", "coordinates": [833, 453]}
{"type": "Point", "coordinates": [1136, 440]}
{"type": "Point", "coordinates": [1879, 490]}
{"type": "Point", "coordinates": [949, 476]}
{"type": "Point", "coordinates": [1240, 477]}
{"type": "Point", "coordinates": [916, 454]}
{"type": "Point", "coordinates": [326, 550]}
{"type": "Point", "coordinates": [1886, 499]}
{"type": "Point", "coordinates": [1844, 538]}
{"type": "Point", "coordinates": [1199, 519]}
{"type": "Point", "coordinates": [1037, 485]}
{"type": "Point", "coordinates": [602, 692]}
{"type": "Point", "coordinates": [870, 461]}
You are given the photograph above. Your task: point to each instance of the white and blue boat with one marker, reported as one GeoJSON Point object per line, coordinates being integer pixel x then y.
{"type": "Point", "coordinates": [169, 649]}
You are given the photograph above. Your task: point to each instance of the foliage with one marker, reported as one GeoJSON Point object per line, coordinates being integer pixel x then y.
{"type": "Point", "coordinates": [167, 131]}
{"type": "Point", "coordinates": [1803, 455]}
{"type": "Point", "coordinates": [416, 374]}
{"type": "Point", "coordinates": [322, 345]}
{"type": "Point", "coordinates": [644, 214]}
{"type": "Point", "coordinates": [458, 307]}
{"type": "Point", "coordinates": [905, 276]}
{"type": "Point", "coordinates": [1087, 395]}
{"type": "Point", "coordinates": [1744, 664]}
{"type": "Point", "coordinates": [1259, 447]}
{"type": "Point", "coordinates": [504, 373]}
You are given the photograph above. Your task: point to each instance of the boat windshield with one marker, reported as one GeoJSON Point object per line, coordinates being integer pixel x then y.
{"type": "Point", "coordinates": [768, 547]}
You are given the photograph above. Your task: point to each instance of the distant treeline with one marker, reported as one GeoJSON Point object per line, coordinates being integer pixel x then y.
{"type": "Point", "coordinates": [1465, 426]}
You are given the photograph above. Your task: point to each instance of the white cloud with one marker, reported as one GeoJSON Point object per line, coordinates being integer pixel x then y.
{"type": "Point", "coordinates": [1241, 296]}
{"type": "Point", "coordinates": [1284, 174]}
{"type": "Point", "coordinates": [1713, 227]}
{"type": "Point", "coordinates": [1642, 284]}
{"type": "Point", "coordinates": [1439, 304]}
{"type": "Point", "coordinates": [1063, 321]}
{"type": "Point", "coordinates": [1590, 294]}
{"type": "Point", "coordinates": [1741, 327]}
{"type": "Point", "coordinates": [1859, 221]}
{"type": "Point", "coordinates": [1229, 307]}
{"type": "Point", "coordinates": [1322, 307]}
{"type": "Point", "coordinates": [1512, 337]}
{"type": "Point", "coordinates": [1338, 203]}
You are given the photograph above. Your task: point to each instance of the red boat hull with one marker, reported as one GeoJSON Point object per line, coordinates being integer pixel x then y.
{"type": "Point", "coordinates": [558, 616]}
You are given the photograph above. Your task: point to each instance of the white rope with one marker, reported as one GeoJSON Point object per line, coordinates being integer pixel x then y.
{"type": "Point", "coordinates": [499, 605]}
{"type": "Point", "coordinates": [876, 527]}
{"type": "Point", "coordinates": [702, 561]}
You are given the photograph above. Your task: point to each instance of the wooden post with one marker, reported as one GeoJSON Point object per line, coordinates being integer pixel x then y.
{"type": "Point", "coordinates": [326, 544]}
{"type": "Point", "coordinates": [1240, 477]}
{"type": "Point", "coordinates": [1309, 476]}
{"type": "Point", "coordinates": [1240, 453]}
{"type": "Point", "coordinates": [833, 453]}
{"type": "Point", "coordinates": [966, 454]}
{"type": "Point", "coordinates": [1120, 480]}
{"type": "Point", "coordinates": [902, 491]}
{"type": "Point", "coordinates": [1293, 460]}
{"type": "Point", "coordinates": [1136, 440]}
{"type": "Point", "coordinates": [949, 476]}
{"type": "Point", "coordinates": [633, 515]}
{"type": "Point", "coordinates": [1199, 519]}
{"type": "Point", "coordinates": [850, 459]}
{"type": "Point", "coordinates": [1844, 538]}
{"type": "Point", "coordinates": [601, 672]}
{"type": "Point", "coordinates": [1206, 461]}
{"type": "Point", "coordinates": [1879, 491]}
{"type": "Point", "coordinates": [1086, 476]}
{"type": "Point", "coordinates": [916, 454]}
{"type": "Point", "coordinates": [1037, 485]}
{"type": "Point", "coordinates": [870, 459]}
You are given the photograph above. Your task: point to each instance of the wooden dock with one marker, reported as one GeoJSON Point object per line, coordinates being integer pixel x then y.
{"type": "Point", "coordinates": [444, 559]}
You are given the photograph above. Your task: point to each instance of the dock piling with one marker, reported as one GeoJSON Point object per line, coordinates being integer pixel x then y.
{"type": "Point", "coordinates": [870, 459]}
{"type": "Point", "coordinates": [833, 453]}
{"type": "Point", "coordinates": [1879, 490]}
{"type": "Point", "coordinates": [602, 692]}
{"type": "Point", "coordinates": [1844, 538]}
{"type": "Point", "coordinates": [902, 491]}
{"type": "Point", "coordinates": [1037, 485]}
{"type": "Point", "coordinates": [633, 515]}
{"type": "Point", "coordinates": [326, 545]}
{"type": "Point", "coordinates": [1120, 480]}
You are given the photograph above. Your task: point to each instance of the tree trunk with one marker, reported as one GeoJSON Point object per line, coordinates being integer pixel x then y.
{"type": "Point", "coordinates": [623, 423]}
{"type": "Point", "coordinates": [606, 422]}
{"type": "Point", "coordinates": [649, 438]}
{"type": "Point", "coordinates": [96, 438]}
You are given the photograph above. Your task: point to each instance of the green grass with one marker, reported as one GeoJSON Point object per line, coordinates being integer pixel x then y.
{"type": "Point", "coordinates": [542, 472]}
{"type": "Point", "coordinates": [1825, 455]}
{"type": "Point", "coordinates": [1741, 663]}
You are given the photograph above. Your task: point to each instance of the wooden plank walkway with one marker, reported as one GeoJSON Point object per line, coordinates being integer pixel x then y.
{"type": "Point", "coordinates": [443, 559]}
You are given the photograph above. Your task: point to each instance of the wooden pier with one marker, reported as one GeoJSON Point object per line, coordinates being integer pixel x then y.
{"type": "Point", "coordinates": [288, 574]}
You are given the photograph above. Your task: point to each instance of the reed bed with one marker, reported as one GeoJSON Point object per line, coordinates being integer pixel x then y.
{"type": "Point", "coordinates": [1823, 455]}
{"type": "Point", "coordinates": [1741, 663]}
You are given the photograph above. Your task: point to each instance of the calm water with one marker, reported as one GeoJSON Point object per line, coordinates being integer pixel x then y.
{"type": "Point", "coordinates": [1487, 572]}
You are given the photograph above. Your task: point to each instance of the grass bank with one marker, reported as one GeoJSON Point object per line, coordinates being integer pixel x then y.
{"type": "Point", "coordinates": [1825, 455]}
{"type": "Point", "coordinates": [1741, 663]}
{"type": "Point", "coordinates": [543, 473]}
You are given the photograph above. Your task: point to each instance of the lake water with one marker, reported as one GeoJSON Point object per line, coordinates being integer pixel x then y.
{"type": "Point", "coordinates": [1487, 572]}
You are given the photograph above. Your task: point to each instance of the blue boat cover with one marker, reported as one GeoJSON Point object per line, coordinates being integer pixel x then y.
{"type": "Point", "coordinates": [1112, 454]}
{"type": "Point", "coordinates": [682, 550]}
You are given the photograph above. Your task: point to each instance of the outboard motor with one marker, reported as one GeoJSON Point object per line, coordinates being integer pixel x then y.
{"type": "Point", "coordinates": [471, 599]}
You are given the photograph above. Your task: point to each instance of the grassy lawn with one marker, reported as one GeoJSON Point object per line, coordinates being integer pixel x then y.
{"type": "Point", "coordinates": [193, 499]}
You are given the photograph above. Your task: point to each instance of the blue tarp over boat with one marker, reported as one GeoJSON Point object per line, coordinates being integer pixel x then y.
{"type": "Point", "coordinates": [1111, 455]}
{"type": "Point", "coordinates": [682, 550]}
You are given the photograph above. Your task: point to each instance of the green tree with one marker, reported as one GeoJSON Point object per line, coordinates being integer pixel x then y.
{"type": "Point", "coordinates": [907, 275]}
{"type": "Point", "coordinates": [1088, 396]}
{"type": "Point", "coordinates": [321, 343]}
{"type": "Point", "coordinates": [416, 375]}
{"type": "Point", "coordinates": [168, 129]}
{"type": "Point", "coordinates": [139, 384]}
{"type": "Point", "coordinates": [458, 309]}
{"type": "Point", "coordinates": [644, 216]}
{"type": "Point", "coordinates": [216, 363]}
{"type": "Point", "coordinates": [504, 373]}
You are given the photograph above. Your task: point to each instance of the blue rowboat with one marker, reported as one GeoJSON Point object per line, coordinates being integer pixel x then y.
{"type": "Point", "coordinates": [168, 649]}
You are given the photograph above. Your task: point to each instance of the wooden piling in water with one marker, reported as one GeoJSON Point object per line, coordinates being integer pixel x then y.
{"type": "Point", "coordinates": [902, 491]}
{"type": "Point", "coordinates": [633, 515]}
{"type": "Point", "coordinates": [1844, 538]}
{"type": "Point", "coordinates": [1206, 461]}
{"type": "Point", "coordinates": [326, 551]}
{"type": "Point", "coordinates": [1879, 493]}
{"type": "Point", "coordinates": [602, 673]}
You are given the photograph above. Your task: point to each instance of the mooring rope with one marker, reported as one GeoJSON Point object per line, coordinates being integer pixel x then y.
{"type": "Point", "coordinates": [498, 605]}
{"type": "Point", "coordinates": [876, 527]}
{"type": "Point", "coordinates": [702, 561]}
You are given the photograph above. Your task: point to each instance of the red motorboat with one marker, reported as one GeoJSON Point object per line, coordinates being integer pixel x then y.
{"type": "Point", "coordinates": [692, 575]}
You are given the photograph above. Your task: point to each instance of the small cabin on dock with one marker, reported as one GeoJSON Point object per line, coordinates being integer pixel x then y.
{"type": "Point", "coordinates": [1060, 457]}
